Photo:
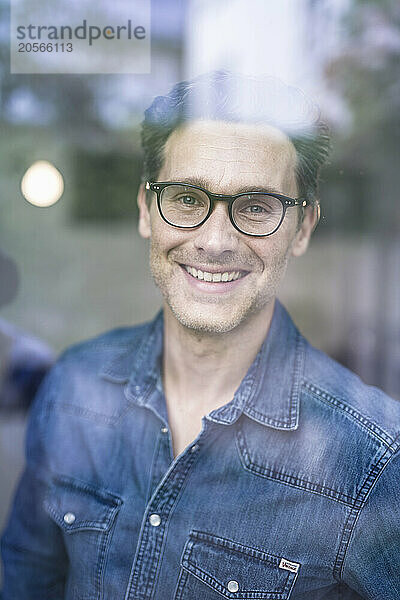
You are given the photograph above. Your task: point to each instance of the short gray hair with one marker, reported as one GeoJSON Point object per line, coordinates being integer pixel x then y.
{"type": "Point", "coordinates": [224, 96]}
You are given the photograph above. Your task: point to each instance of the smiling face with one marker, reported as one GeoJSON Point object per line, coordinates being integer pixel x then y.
{"type": "Point", "coordinates": [214, 278]}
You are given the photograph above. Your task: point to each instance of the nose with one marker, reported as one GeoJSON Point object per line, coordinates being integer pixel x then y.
{"type": "Point", "coordinates": [217, 235]}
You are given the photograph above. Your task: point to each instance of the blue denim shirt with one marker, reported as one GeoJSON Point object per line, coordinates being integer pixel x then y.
{"type": "Point", "coordinates": [291, 490]}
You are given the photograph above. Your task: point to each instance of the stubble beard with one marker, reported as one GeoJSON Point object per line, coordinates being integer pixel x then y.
{"type": "Point", "coordinates": [215, 314]}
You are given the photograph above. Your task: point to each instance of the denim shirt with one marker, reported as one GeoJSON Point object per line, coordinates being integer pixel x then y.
{"type": "Point", "coordinates": [291, 490]}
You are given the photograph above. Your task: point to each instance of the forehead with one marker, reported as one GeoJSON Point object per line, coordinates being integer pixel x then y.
{"type": "Point", "coordinates": [230, 155]}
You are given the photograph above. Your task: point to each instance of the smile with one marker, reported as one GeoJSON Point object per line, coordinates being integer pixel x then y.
{"type": "Point", "coordinates": [220, 277]}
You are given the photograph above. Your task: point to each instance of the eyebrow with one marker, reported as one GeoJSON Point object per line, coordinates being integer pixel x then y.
{"type": "Point", "coordinates": [203, 183]}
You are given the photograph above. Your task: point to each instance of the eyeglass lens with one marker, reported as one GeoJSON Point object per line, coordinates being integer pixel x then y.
{"type": "Point", "coordinates": [257, 214]}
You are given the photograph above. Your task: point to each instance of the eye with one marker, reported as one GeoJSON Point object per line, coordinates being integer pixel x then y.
{"type": "Point", "coordinates": [254, 206]}
{"type": "Point", "coordinates": [255, 209]}
{"type": "Point", "coordinates": [189, 200]}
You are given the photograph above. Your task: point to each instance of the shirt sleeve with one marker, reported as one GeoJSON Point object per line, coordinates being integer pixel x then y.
{"type": "Point", "coordinates": [34, 558]}
{"type": "Point", "coordinates": [372, 562]}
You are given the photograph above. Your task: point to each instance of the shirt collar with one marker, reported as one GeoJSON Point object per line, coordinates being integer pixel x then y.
{"type": "Point", "coordinates": [268, 394]}
{"type": "Point", "coordinates": [278, 372]}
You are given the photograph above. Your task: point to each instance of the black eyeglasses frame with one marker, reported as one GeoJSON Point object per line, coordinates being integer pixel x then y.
{"type": "Point", "coordinates": [287, 202]}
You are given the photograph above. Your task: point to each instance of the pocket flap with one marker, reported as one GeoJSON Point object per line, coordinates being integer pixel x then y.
{"type": "Point", "coordinates": [238, 571]}
{"type": "Point", "coordinates": [75, 505]}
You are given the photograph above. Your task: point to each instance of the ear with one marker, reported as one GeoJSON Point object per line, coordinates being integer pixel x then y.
{"type": "Point", "coordinates": [144, 214]}
{"type": "Point", "coordinates": [309, 223]}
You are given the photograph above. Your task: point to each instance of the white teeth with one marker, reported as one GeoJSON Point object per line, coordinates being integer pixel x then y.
{"type": "Point", "coordinates": [214, 277]}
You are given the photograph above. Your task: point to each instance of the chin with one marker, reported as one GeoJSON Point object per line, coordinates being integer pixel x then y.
{"type": "Point", "coordinates": [209, 319]}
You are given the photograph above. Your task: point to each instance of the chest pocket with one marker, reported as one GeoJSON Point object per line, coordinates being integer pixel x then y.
{"type": "Point", "coordinates": [213, 568]}
{"type": "Point", "coordinates": [84, 515]}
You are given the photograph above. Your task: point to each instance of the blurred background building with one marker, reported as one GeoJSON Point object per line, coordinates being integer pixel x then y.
{"type": "Point", "coordinates": [82, 266]}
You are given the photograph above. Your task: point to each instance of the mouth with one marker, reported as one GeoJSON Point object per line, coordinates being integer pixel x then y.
{"type": "Point", "coordinates": [216, 276]}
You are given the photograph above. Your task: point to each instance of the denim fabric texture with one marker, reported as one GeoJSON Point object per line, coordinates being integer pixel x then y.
{"type": "Point", "coordinates": [291, 490]}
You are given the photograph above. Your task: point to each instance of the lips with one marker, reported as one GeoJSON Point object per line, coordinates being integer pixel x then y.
{"type": "Point", "coordinates": [215, 277]}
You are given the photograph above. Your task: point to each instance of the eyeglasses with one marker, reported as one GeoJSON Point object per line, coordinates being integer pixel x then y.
{"type": "Point", "coordinates": [253, 213]}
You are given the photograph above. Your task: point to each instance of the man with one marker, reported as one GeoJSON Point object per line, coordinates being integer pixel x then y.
{"type": "Point", "coordinates": [212, 453]}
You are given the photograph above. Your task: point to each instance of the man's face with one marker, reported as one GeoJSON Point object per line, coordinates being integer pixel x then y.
{"type": "Point", "coordinates": [225, 158]}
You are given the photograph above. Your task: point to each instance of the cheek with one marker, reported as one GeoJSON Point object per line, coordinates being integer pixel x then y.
{"type": "Point", "coordinates": [160, 231]}
{"type": "Point", "coordinates": [164, 238]}
{"type": "Point", "coordinates": [272, 252]}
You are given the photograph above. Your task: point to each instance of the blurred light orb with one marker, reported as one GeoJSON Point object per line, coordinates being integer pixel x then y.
{"type": "Point", "coordinates": [42, 184]}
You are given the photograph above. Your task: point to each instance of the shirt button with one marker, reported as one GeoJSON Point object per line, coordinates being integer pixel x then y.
{"type": "Point", "coordinates": [233, 586]}
{"type": "Point", "coordinates": [155, 520]}
{"type": "Point", "coordinates": [194, 448]}
{"type": "Point", "coordinates": [164, 429]}
{"type": "Point", "coordinates": [69, 518]}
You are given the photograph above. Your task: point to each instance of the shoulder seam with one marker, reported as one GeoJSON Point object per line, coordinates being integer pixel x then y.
{"type": "Point", "coordinates": [340, 404]}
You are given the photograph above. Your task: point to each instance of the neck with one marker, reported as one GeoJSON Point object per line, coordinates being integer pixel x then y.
{"type": "Point", "coordinates": [204, 370]}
